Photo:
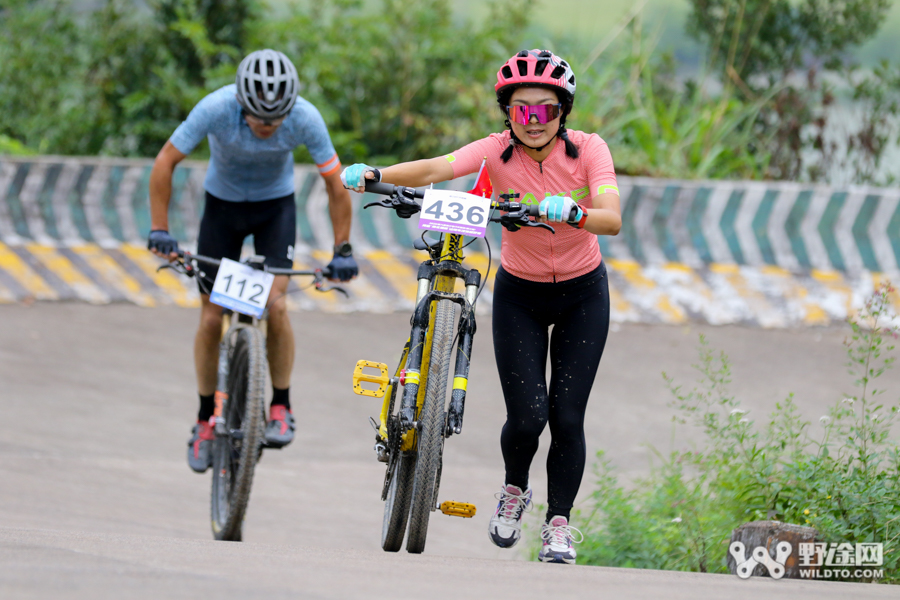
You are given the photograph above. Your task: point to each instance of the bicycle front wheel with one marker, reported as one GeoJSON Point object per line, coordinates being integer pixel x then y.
{"type": "Point", "coordinates": [396, 505]}
{"type": "Point", "coordinates": [235, 454]}
{"type": "Point", "coordinates": [431, 428]}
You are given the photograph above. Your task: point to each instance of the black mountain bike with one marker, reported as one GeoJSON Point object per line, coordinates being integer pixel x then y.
{"type": "Point", "coordinates": [240, 413]}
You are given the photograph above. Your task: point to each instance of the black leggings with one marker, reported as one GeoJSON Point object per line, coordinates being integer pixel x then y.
{"type": "Point", "coordinates": [578, 310]}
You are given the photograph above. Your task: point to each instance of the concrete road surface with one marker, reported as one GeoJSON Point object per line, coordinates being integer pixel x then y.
{"type": "Point", "coordinates": [96, 500]}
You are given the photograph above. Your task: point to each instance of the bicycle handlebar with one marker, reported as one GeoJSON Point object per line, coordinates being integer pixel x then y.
{"type": "Point", "coordinates": [402, 199]}
{"type": "Point", "coordinates": [184, 265]}
{"type": "Point", "coordinates": [388, 189]}
{"type": "Point", "coordinates": [273, 270]}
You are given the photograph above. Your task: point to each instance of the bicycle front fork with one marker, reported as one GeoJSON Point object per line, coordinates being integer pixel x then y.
{"type": "Point", "coordinates": [466, 334]}
{"type": "Point", "coordinates": [222, 379]}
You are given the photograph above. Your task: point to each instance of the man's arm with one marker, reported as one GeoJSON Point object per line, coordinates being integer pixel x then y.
{"type": "Point", "coordinates": [339, 207]}
{"type": "Point", "coordinates": [161, 188]}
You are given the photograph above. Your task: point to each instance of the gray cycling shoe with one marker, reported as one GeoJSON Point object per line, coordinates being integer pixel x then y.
{"type": "Point", "coordinates": [200, 447]}
{"type": "Point", "coordinates": [280, 428]}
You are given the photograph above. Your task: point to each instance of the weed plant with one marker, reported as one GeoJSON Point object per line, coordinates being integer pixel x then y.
{"type": "Point", "coordinates": [840, 477]}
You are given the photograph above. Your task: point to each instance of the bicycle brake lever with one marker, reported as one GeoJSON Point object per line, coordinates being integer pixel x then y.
{"type": "Point", "coordinates": [333, 288]}
{"type": "Point", "coordinates": [321, 284]}
{"type": "Point", "coordinates": [531, 223]}
{"type": "Point", "coordinates": [384, 203]}
{"type": "Point", "coordinates": [178, 267]}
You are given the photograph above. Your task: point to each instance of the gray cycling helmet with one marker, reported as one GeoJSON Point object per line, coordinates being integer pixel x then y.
{"type": "Point", "coordinates": [267, 84]}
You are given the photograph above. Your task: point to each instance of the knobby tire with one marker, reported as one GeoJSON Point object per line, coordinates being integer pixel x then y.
{"type": "Point", "coordinates": [396, 505]}
{"type": "Point", "coordinates": [431, 428]}
{"type": "Point", "coordinates": [235, 459]}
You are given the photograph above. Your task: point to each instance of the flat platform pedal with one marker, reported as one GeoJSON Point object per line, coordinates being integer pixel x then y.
{"type": "Point", "coordinates": [458, 509]}
{"type": "Point", "coordinates": [382, 379]}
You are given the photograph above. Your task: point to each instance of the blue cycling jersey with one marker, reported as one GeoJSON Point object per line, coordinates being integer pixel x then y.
{"type": "Point", "coordinates": [243, 166]}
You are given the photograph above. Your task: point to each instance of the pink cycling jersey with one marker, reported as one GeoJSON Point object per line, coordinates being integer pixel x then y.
{"type": "Point", "coordinates": [534, 253]}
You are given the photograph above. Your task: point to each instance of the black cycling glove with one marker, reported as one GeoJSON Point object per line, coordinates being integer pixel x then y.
{"type": "Point", "coordinates": [342, 268]}
{"type": "Point", "coordinates": [162, 242]}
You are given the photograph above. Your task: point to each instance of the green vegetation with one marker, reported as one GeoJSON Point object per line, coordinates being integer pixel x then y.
{"type": "Point", "coordinates": [404, 79]}
{"type": "Point", "coordinates": [843, 481]}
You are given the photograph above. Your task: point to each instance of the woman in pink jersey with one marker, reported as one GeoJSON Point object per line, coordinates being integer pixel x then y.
{"type": "Point", "coordinates": [545, 280]}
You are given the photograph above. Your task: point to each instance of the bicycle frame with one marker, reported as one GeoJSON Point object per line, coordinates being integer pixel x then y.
{"type": "Point", "coordinates": [186, 267]}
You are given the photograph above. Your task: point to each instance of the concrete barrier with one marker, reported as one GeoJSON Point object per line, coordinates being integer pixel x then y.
{"type": "Point", "coordinates": [760, 253]}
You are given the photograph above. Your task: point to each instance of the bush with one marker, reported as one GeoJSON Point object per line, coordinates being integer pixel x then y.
{"type": "Point", "coordinates": [395, 81]}
{"type": "Point", "coordinates": [825, 119]}
{"type": "Point", "coordinates": [845, 483]}
{"type": "Point", "coordinates": [658, 126]}
{"type": "Point", "coordinates": [404, 81]}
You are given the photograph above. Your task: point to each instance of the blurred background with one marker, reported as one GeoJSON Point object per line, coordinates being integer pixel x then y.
{"type": "Point", "coordinates": [804, 90]}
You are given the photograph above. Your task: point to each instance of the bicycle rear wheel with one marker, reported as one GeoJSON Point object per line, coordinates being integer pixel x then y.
{"type": "Point", "coordinates": [431, 428]}
{"type": "Point", "coordinates": [396, 505]}
{"type": "Point", "coordinates": [235, 454]}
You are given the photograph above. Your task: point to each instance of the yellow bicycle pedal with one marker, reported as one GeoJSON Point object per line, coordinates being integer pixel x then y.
{"type": "Point", "coordinates": [458, 509]}
{"type": "Point", "coordinates": [360, 377]}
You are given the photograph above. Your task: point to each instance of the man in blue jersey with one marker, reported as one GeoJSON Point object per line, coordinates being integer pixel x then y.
{"type": "Point", "coordinates": [253, 127]}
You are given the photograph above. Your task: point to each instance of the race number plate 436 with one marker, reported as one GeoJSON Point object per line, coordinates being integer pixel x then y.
{"type": "Point", "coordinates": [241, 288]}
{"type": "Point", "coordinates": [449, 211]}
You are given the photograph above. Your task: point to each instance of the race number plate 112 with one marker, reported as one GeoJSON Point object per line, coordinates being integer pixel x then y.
{"type": "Point", "coordinates": [241, 288]}
{"type": "Point", "coordinates": [449, 211]}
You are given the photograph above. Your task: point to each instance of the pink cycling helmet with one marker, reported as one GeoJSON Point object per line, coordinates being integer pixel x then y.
{"type": "Point", "coordinates": [535, 67]}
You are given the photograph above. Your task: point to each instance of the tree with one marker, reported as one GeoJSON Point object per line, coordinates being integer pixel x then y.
{"type": "Point", "coordinates": [747, 38]}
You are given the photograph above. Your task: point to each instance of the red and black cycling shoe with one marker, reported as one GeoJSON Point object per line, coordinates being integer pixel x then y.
{"type": "Point", "coordinates": [280, 428]}
{"type": "Point", "coordinates": [200, 446]}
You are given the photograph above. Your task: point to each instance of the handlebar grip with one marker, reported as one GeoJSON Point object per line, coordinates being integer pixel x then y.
{"type": "Point", "coordinates": [385, 189]}
{"type": "Point", "coordinates": [534, 211]}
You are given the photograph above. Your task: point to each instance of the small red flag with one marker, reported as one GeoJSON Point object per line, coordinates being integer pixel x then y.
{"type": "Point", "coordinates": [483, 185]}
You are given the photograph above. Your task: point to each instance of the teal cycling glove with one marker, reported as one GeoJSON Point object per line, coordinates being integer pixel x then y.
{"type": "Point", "coordinates": [353, 177]}
{"type": "Point", "coordinates": [559, 208]}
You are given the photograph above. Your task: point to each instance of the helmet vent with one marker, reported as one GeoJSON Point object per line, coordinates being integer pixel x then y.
{"type": "Point", "coordinates": [558, 72]}
{"type": "Point", "coordinates": [266, 84]}
{"type": "Point", "coordinates": [523, 67]}
{"type": "Point", "coordinates": [522, 54]}
{"type": "Point", "coordinates": [572, 80]}
{"type": "Point", "coordinates": [540, 66]}
{"type": "Point", "coordinates": [507, 72]}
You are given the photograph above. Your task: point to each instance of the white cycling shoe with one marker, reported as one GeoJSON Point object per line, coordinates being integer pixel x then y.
{"type": "Point", "coordinates": [505, 527]}
{"type": "Point", "coordinates": [557, 536]}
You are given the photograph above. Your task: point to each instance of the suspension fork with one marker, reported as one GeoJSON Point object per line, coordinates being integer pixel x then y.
{"type": "Point", "coordinates": [463, 355]}
{"type": "Point", "coordinates": [221, 397]}
{"type": "Point", "coordinates": [416, 342]}
{"type": "Point", "coordinates": [420, 321]}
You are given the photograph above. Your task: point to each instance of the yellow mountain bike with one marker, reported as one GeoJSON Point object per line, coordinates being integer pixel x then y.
{"type": "Point", "coordinates": [410, 434]}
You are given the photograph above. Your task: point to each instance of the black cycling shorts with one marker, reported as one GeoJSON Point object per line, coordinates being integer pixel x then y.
{"type": "Point", "coordinates": [225, 225]}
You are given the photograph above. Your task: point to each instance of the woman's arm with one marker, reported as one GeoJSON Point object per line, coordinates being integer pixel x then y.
{"type": "Point", "coordinates": [605, 216]}
{"type": "Point", "coordinates": [418, 172]}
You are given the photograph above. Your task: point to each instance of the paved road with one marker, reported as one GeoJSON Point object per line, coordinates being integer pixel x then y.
{"type": "Point", "coordinates": [96, 501]}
